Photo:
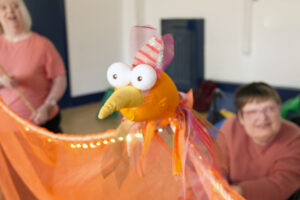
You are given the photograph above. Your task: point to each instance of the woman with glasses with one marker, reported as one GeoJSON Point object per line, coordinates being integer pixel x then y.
{"type": "Point", "coordinates": [261, 151]}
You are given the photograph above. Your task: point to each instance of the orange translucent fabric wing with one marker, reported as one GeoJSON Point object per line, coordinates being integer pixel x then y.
{"type": "Point", "coordinates": [36, 164]}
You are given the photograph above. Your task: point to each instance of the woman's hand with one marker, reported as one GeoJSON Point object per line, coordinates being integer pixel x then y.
{"type": "Point", "coordinates": [56, 92]}
{"type": "Point", "coordinates": [8, 82]}
{"type": "Point", "coordinates": [42, 114]}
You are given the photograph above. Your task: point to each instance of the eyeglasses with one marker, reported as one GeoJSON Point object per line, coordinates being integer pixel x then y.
{"type": "Point", "coordinates": [254, 114]}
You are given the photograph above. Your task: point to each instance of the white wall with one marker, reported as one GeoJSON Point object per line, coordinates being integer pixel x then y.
{"type": "Point", "coordinates": [94, 32]}
{"type": "Point", "coordinates": [98, 35]}
{"type": "Point", "coordinates": [275, 44]}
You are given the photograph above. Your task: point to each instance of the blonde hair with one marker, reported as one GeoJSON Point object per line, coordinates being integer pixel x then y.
{"type": "Point", "coordinates": [25, 15]}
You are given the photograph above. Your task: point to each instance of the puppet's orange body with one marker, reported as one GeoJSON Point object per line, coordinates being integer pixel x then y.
{"type": "Point", "coordinates": [161, 101]}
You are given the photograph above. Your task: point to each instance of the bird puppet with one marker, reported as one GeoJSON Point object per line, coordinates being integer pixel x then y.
{"type": "Point", "coordinates": [147, 96]}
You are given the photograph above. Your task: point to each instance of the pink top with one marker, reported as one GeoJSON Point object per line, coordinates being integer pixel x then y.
{"type": "Point", "coordinates": [34, 62]}
{"type": "Point", "coordinates": [270, 172]}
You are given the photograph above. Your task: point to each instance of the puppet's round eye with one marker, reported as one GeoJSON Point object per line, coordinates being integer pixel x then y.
{"type": "Point", "coordinates": [118, 74]}
{"type": "Point", "coordinates": [143, 77]}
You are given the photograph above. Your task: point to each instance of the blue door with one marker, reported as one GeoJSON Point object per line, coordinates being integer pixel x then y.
{"type": "Point", "coordinates": [48, 19]}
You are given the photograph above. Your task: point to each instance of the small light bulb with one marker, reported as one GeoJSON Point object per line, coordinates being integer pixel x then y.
{"type": "Point", "coordinates": [139, 135]}
{"type": "Point", "coordinates": [128, 138]}
{"type": "Point", "coordinates": [92, 145]}
{"type": "Point", "coordinates": [112, 140]}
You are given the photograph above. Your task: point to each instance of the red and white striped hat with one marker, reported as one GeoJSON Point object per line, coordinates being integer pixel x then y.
{"type": "Point", "coordinates": [150, 54]}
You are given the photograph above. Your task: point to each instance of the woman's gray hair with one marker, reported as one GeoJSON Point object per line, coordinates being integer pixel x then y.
{"type": "Point", "coordinates": [25, 15]}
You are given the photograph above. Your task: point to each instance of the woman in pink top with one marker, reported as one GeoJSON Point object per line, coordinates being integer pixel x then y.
{"type": "Point", "coordinates": [34, 67]}
{"type": "Point", "coordinates": [261, 151]}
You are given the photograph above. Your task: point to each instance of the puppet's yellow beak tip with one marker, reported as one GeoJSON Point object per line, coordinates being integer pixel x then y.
{"type": "Point", "coordinates": [126, 97]}
{"type": "Point", "coordinates": [106, 110]}
{"type": "Point", "coordinates": [102, 115]}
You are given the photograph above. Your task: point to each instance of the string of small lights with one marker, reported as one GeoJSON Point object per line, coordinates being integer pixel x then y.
{"type": "Point", "coordinates": [76, 142]}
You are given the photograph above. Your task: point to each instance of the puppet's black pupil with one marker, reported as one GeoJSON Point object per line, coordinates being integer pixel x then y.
{"type": "Point", "coordinates": [115, 76]}
{"type": "Point", "coordinates": [140, 78]}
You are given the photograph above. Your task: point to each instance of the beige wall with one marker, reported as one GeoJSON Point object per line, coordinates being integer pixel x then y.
{"type": "Point", "coordinates": [94, 32]}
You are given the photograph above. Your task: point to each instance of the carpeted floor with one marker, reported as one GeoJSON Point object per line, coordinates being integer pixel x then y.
{"type": "Point", "coordinates": [83, 120]}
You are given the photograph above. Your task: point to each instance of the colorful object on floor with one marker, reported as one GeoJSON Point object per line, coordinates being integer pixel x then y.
{"type": "Point", "coordinates": [291, 108]}
{"type": "Point", "coordinates": [226, 113]}
{"type": "Point", "coordinates": [135, 161]}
